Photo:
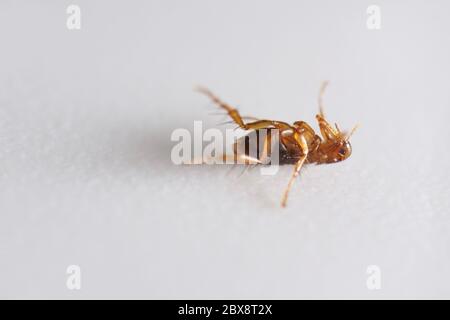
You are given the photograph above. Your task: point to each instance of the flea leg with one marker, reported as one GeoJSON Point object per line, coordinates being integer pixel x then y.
{"type": "Point", "coordinates": [266, 147]}
{"type": "Point", "coordinates": [327, 131]}
{"type": "Point", "coordinates": [238, 159]}
{"type": "Point", "coordinates": [310, 135]}
{"type": "Point", "coordinates": [234, 114]}
{"type": "Point", "coordinates": [320, 98]}
{"type": "Point", "coordinates": [265, 124]}
{"type": "Point", "coordinates": [267, 151]}
{"type": "Point", "coordinates": [302, 143]}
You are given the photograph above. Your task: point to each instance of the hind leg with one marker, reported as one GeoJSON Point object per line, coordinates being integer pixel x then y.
{"type": "Point", "coordinates": [234, 114]}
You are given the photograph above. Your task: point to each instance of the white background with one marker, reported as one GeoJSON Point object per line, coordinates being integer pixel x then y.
{"type": "Point", "coordinates": [85, 170]}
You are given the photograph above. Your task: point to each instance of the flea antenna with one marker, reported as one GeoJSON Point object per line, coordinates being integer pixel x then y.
{"type": "Point", "coordinates": [351, 132]}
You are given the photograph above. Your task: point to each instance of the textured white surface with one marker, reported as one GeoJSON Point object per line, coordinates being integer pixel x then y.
{"type": "Point", "coordinates": [85, 170]}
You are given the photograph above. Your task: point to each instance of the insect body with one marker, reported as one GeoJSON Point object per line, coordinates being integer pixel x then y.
{"type": "Point", "coordinates": [299, 143]}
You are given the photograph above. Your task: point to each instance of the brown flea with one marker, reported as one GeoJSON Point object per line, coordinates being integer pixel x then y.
{"type": "Point", "coordinates": [299, 143]}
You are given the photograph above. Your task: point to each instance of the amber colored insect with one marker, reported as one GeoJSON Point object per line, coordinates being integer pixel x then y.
{"type": "Point", "coordinates": [299, 143]}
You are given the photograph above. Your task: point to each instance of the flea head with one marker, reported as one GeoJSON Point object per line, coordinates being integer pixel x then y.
{"type": "Point", "coordinates": [338, 151]}
{"type": "Point", "coordinates": [336, 145]}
